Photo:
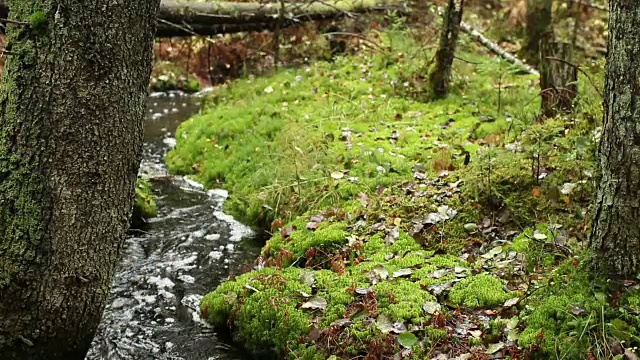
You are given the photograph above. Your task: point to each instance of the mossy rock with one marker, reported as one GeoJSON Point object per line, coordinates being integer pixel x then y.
{"type": "Point", "coordinates": [167, 76]}
{"type": "Point", "coordinates": [144, 207]}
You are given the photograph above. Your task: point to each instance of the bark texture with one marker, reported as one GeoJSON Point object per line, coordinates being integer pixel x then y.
{"type": "Point", "coordinates": [558, 78]}
{"type": "Point", "coordinates": [615, 235]}
{"type": "Point", "coordinates": [538, 25]}
{"type": "Point", "coordinates": [71, 110]}
{"type": "Point", "coordinates": [440, 73]}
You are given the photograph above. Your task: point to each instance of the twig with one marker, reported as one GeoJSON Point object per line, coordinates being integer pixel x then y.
{"type": "Point", "coordinates": [466, 61]}
{"type": "Point", "coordinates": [15, 22]}
{"type": "Point", "coordinates": [496, 49]}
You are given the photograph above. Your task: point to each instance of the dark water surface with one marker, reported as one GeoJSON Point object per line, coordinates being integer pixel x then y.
{"type": "Point", "coordinates": [189, 249]}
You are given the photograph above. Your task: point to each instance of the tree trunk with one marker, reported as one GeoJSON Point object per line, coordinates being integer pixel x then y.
{"type": "Point", "coordinates": [538, 25]}
{"type": "Point", "coordinates": [558, 78]}
{"type": "Point", "coordinates": [71, 110]}
{"type": "Point", "coordinates": [615, 235]}
{"type": "Point", "coordinates": [440, 73]}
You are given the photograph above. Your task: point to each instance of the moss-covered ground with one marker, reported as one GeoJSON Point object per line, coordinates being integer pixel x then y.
{"type": "Point", "coordinates": [408, 228]}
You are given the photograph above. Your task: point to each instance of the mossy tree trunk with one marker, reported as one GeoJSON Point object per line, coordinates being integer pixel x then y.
{"type": "Point", "coordinates": [440, 72]}
{"type": "Point", "coordinates": [538, 25]}
{"type": "Point", "coordinates": [615, 235]}
{"type": "Point", "coordinates": [71, 110]}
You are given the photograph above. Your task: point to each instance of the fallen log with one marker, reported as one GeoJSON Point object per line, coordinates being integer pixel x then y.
{"type": "Point", "coordinates": [186, 18]}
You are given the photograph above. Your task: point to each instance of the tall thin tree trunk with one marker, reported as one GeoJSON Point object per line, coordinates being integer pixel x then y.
{"type": "Point", "coordinates": [538, 25]}
{"type": "Point", "coordinates": [440, 73]}
{"type": "Point", "coordinates": [615, 236]}
{"type": "Point", "coordinates": [71, 110]}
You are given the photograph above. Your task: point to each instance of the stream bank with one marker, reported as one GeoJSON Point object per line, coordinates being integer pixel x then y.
{"type": "Point", "coordinates": [190, 247]}
{"type": "Point", "coordinates": [406, 228]}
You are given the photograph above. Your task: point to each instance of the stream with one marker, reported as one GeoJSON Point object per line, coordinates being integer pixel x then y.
{"type": "Point", "coordinates": [192, 246]}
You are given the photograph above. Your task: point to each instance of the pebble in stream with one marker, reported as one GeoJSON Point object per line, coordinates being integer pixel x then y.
{"type": "Point", "coordinates": [190, 248]}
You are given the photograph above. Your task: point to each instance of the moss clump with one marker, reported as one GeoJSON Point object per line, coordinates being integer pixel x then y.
{"type": "Point", "coordinates": [38, 20]}
{"type": "Point", "coordinates": [299, 239]}
{"type": "Point", "coordinates": [144, 207]}
{"type": "Point", "coordinates": [265, 308]}
{"type": "Point", "coordinates": [478, 291]}
{"type": "Point", "coordinates": [167, 76]}
{"type": "Point", "coordinates": [571, 316]}
{"type": "Point", "coordinates": [402, 300]}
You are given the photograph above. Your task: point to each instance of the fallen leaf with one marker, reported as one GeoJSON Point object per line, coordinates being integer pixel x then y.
{"type": "Point", "coordinates": [567, 188]}
{"type": "Point", "coordinates": [384, 324]}
{"type": "Point", "coordinates": [446, 213]}
{"type": "Point", "coordinates": [459, 269]}
{"type": "Point", "coordinates": [439, 288]}
{"type": "Point", "coordinates": [381, 271]}
{"type": "Point", "coordinates": [577, 310]}
{"type": "Point", "coordinates": [432, 218]}
{"type": "Point", "coordinates": [307, 278]}
{"type": "Point", "coordinates": [511, 302]}
{"type": "Point", "coordinates": [438, 273]}
{"type": "Point", "coordinates": [402, 272]}
{"type": "Point", "coordinates": [470, 227]}
{"type": "Point", "coordinates": [493, 252]}
{"type": "Point", "coordinates": [431, 307]}
{"type": "Point", "coordinates": [494, 348]}
{"type": "Point", "coordinates": [539, 236]}
{"type": "Point", "coordinates": [536, 192]}
{"type": "Point", "coordinates": [407, 340]}
{"type": "Point", "coordinates": [315, 303]}
{"type": "Point", "coordinates": [363, 291]}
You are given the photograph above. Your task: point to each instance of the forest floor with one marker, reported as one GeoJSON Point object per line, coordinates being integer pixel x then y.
{"type": "Point", "coordinates": [404, 227]}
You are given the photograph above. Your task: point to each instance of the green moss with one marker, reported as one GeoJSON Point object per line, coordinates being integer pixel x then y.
{"type": "Point", "coordinates": [38, 20]}
{"type": "Point", "coordinates": [571, 315]}
{"type": "Point", "coordinates": [327, 236]}
{"type": "Point", "coordinates": [346, 140]}
{"type": "Point", "coordinates": [145, 205]}
{"type": "Point", "coordinates": [479, 291]}
{"type": "Point", "coordinates": [315, 137]}
{"type": "Point", "coordinates": [435, 334]}
{"type": "Point", "coordinates": [402, 300]}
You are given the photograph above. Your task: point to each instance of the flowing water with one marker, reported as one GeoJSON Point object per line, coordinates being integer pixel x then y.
{"type": "Point", "coordinates": [187, 251]}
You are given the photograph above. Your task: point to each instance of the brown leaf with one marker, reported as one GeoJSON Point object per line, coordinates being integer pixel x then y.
{"type": "Point", "coordinates": [536, 192]}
